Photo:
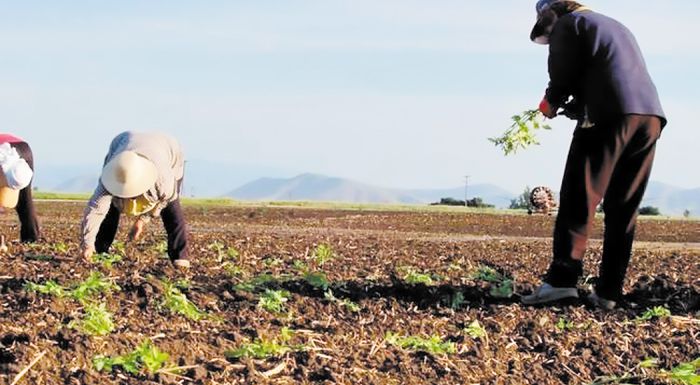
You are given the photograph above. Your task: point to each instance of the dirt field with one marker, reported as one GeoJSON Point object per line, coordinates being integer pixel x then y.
{"type": "Point", "coordinates": [350, 282]}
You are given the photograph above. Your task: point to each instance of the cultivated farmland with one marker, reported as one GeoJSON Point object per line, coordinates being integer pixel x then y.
{"type": "Point", "coordinates": [299, 295]}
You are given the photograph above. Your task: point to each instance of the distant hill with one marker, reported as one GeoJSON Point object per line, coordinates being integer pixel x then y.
{"type": "Point", "coordinates": [320, 187]}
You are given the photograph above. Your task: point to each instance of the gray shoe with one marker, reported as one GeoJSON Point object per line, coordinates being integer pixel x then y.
{"type": "Point", "coordinates": [601, 302]}
{"type": "Point", "coordinates": [547, 293]}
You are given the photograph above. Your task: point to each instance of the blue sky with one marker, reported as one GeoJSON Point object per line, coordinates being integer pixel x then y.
{"type": "Point", "coordinates": [397, 93]}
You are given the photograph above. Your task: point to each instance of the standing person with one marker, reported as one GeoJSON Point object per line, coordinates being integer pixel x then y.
{"type": "Point", "coordinates": [142, 177]}
{"type": "Point", "coordinates": [596, 61]}
{"type": "Point", "coordinates": [17, 163]}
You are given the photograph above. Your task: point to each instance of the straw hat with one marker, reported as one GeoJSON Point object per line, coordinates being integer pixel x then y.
{"type": "Point", "coordinates": [128, 175]}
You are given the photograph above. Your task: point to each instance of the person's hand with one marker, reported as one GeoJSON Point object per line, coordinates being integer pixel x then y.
{"type": "Point", "coordinates": [87, 252]}
{"type": "Point", "coordinates": [547, 109]}
{"type": "Point", "coordinates": [136, 229]}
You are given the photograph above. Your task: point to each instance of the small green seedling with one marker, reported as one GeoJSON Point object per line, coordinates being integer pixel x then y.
{"type": "Point", "coordinates": [94, 284]}
{"type": "Point", "coordinates": [351, 306]}
{"type": "Point", "coordinates": [274, 300]}
{"type": "Point", "coordinates": [49, 287]}
{"type": "Point", "coordinates": [521, 133]}
{"type": "Point", "coordinates": [176, 302]}
{"type": "Point", "coordinates": [413, 277]}
{"type": "Point", "coordinates": [454, 301]}
{"type": "Point", "coordinates": [323, 254]}
{"type": "Point", "coordinates": [259, 282]}
{"type": "Point", "coordinates": [502, 286]}
{"type": "Point", "coordinates": [476, 331]}
{"type": "Point", "coordinates": [265, 348]}
{"type": "Point", "coordinates": [161, 247]}
{"type": "Point", "coordinates": [119, 247]}
{"type": "Point", "coordinates": [563, 324]}
{"type": "Point", "coordinates": [106, 259]}
{"type": "Point", "coordinates": [685, 373]}
{"type": "Point", "coordinates": [147, 357]}
{"type": "Point", "coordinates": [655, 312]}
{"type": "Point", "coordinates": [433, 344]}
{"type": "Point", "coordinates": [96, 322]}
{"type": "Point", "coordinates": [60, 247]}
{"type": "Point", "coordinates": [317, 279]}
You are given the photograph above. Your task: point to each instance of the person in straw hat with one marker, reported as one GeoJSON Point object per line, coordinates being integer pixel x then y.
{"type": "Point", "coordinates": [17, 163]}
{"type": "Point", "coordinates": [141, 177]}
{"type": "Point", "coordinates": [595, 61]}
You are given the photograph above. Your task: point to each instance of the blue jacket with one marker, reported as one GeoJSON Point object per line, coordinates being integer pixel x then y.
{"type": "Point", "coordinates": [596, 59]}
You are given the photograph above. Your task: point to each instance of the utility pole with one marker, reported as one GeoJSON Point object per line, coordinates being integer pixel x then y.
{"type": "Point", "coordinates": [466, 189]}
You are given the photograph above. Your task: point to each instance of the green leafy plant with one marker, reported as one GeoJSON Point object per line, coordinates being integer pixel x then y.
{"type": "Point", "coordinates": [563, 324]}
{"type": "Point", "coordinates": [413, 277]}
{"type": "Point", "coordinates": [49, 287]}
{"type": "Point", "coordinates": [685, 373]}
{"type": "Point", "coordinates": [161, 247]}
{"type": "Point", "coordinates": [146, 357]}
{"type": "Point", "coordinates": [655, 312]}
{"type": "Point", "coordinates": [433, 344]}
{"type": "Point", "coordinates": [502, 286]}
{"type": "Point", "coordinates": [351, 306]}
{"type": "Point", "coordinates": [119, 247]}
{"type": "Point", "coordinates": [317, 279]}
{"type": "Point", "coordinates": [521, 133]}
{"type": "Point", "coordinates": [454, 301]}
{"type": "Point", "coordinates": [106, 259]}
{"type": "Point", "coordinates": [60, 247]}
{"type": "Point", "coordinates": [265, 348]}
{"type": "Point", "coordinates": [259, 282]}
{"type": "Point", "coordinates": [176, 302]}
{"type": "Point", "coordinates": [96, 322]}
{"type": "Point", "coordinates": [94, 284]}
{"type": "Point", "coordinates": [322, 254]}
{"type": "Point", "coordinates": [274, 300]}
{"type": "Point", "coordinates": [476, 331]}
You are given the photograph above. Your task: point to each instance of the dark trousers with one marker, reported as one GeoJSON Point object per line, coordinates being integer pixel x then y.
{"type": "Point", "coordinates": [29, 224]}
{"type": "Point", "coordinates": [608, 162]}
{"type": "Point", "coordinates": [173, 221]}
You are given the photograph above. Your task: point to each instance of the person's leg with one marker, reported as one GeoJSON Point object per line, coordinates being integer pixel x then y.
{"type": "Point", "coordinates": [622, 201]}
{"type": "Point", "coordinates": [592, 157]}
{"type": "Point", "coordinates": [176, 228]}
{"type": "Point", "coordinates": [108, 230]}
{"type": "Point", "coordinates": [29, 224]}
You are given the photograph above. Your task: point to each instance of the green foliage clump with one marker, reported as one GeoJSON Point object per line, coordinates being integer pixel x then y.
{"type": "Point", "coordinates": [258, 282]}
{"type": "Point", "coordinates": [323, 254]}
{"type": "Point", "coordinates": [476, 331]}
{"type": "Point", "coordinates": [433, 344]}
{"type": "Point", "coordinates": [95, 283]}
{"type": "Point", "coordinates": [96, 322]}
{"type": "Point", "coordinates": [274, 300]}
{"type": "Point", "coordinates": [413, 277]}
{"type": "Point", "coordinates": [265, 348]}
{"type": "Point", "coordinates": [521, 133]}
{"type": "Point", "coordinates": [106, 259]}
{"type": "Point", "coordinates": [147, 357]}
{"type": "Point", "coordinates": [176, 302]}
{"type": "Point", "coordinates": [685, 373]}
{"type": "Point", "coordinates": [49, 287]}
{"type": "Point", "coordinates": [655, 312]}
{"type": "Point", "coordinates": [649, 210]}
{"type": "Point", "coordinates": [501, 286]}
{"type": "Point", "coordinates": [563, 324]}
{"type": "Point", "coordinates": [348, 304]}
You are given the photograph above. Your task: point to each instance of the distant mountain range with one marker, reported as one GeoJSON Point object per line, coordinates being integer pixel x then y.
{"type": "Point", "coordinates": [207, 179]}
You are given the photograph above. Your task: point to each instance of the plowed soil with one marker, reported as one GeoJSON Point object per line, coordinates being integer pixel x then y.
{"type": "Point", "coordinates": [569, 343]}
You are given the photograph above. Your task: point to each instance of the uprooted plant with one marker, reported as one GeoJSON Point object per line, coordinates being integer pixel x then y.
{"type": "Point", "coordinates": [94, 284]}
{"type": "Point", "coordinates": [97, 320]}
{"type": "Point", "coordinates": [413, 276]}
{"type": "Point", "coordinates": [177, 302]}
{"type": "Point", "coordinates": [521, 133]}
{"type": "Point", "coordinates": [274, 300]}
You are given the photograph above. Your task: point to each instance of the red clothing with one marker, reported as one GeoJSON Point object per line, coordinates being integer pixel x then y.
{"type": "Point", "coordinates": [9, 138]}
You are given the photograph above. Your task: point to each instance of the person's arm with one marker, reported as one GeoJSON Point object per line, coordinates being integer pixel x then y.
{"type": "Point", "coordinates": [565, 62]}
{"type": "Point", "coordinates": [94, 214]}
